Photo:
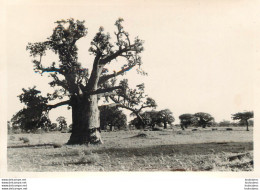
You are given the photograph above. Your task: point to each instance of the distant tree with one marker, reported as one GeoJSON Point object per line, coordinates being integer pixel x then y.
{"type": "Point", "coordinates": [243, 117]}
{"type": "Point", "coordinates": [148, 119]}
{"type": "Point", "coordinates": [151, 118]}
{"type": "Point", "coordinates": [224, 123]}
{"type": "Point", "coordinates": [166, 117]}
{"type": "Point", "coordinates": [204, 119]}
{"type": "Point", "coordinates": [33, 115]}
{"type": "Point", "coordinates": [54, 127]}
{"type": "Point", "coordinates": [187, 120]}
{"type": "Point", "coordinates": [62, 123]}
{"type": "Point", "coordinates": [112, 117]}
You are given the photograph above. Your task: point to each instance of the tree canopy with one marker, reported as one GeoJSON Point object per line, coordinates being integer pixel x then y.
{"type": "Point", "coordinates": [153, 118]}
{"type": "Point", "coordinates": [243, 117]}
{"type": "Point", "coordinates": [204, 119]}
{"type": "Point", "coordinates": [187, 120]}
{"type": "Point", "coordinates": [166, 117]}
{"type": "Point", "coordinates": [112, 117]}
{"type": "Point", "coordinates": [33, 115]}
{"type": "Point", "coordinates": [81, 86]}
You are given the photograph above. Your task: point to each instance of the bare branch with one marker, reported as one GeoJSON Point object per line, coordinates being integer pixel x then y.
{"type": "Point", "coordinates": [121, 105]}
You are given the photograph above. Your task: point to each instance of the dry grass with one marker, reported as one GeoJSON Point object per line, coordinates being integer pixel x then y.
{"type": "Point", "coordinates": [202, 150]}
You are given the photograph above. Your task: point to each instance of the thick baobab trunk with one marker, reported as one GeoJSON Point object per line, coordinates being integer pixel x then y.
{"type": "Point", "coordinates": [85, 112]}
{"type": "Point", "coordinates": [86, 123]}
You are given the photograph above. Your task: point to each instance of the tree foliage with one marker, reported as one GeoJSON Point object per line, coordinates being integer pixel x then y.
{"type": "Point", "coordinates": [204, 119]}
{"type": "Point", "coordinates": [62, 123]}
{"type": "Point", "coordinates": [225, 123]}
{"type": "Point", "coordinates": [187, 120]}
{"type": "Point", "coordinates": [34, 114]}
{"type": "Point", "coordinates": [243, 117]}
{"type": "Point", "coordinates": [112, 117]}
{"type": "Point", "coordinates": [134, 100]}
{"type": "Point", "coordinates": [165, 116]}
{"type": "Point", "coordinates": [152, 118]}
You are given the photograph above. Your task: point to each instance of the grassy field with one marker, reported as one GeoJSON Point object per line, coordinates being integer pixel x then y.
{"type": "Point", "coordinates": [168, 150]}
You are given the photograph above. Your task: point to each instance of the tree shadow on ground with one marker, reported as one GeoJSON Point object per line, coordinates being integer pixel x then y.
{"type": "Point", "coordinates": [185, 149]}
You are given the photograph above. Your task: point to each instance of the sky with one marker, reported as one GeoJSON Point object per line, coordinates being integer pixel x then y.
{"type": "Point", "coordinates": [200, 56]}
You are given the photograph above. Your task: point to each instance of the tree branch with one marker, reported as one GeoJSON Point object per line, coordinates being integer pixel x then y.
{"type": "Point", "coordinates": [108, 105]}
{"type": "Point", "coordinates": [142, 107]}
{"type": "Point", "coordinates": [105, 78]}
{"type": "Point", "coordinates": [113, 56]}
{"type": "Point", "coordinates": [48, 69]}
{"type": "Point", "coordinates": [100, 91]}
{"type": "Point", "coordinates": [121, 105]}
{"type": "Point", "coordinates": [49, 107]}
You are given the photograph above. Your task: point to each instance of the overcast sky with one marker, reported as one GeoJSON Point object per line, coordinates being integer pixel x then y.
{"type": "Point", "coordinates": [199, 55]}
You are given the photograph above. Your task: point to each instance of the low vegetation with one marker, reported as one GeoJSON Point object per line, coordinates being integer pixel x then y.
{"type": "Point", "coordinates": [166, 150]}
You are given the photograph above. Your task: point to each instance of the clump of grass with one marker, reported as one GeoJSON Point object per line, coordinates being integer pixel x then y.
{"type": "Point", "coordinates": [87, 152]}
{"type": "Point", "coordinates": [87, 157]}
{"type": "Point", "coordinates": [156, 129]}
{"type": "Point", "coordinates": [57, 145]}
{"type": "Point", "coordinates": [141, 135]}
{"type": "Point", "coordinates": [24, 139]}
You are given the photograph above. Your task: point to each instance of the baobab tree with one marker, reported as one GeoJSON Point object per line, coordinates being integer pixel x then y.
{"type": "Point", "coordinates": [187, 120]}
{"type": "Point", "coordinates": [204, 119]}
{"type": "Point", "coordinates": [166, 117]}
{"type": "Point", "coordinates": [82, 86]}
{"type": "Point", "coordinates": [243, 117]}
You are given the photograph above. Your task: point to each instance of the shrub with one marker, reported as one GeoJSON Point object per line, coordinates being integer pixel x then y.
{"type": "Point", "coordinates": [229, 129]}
{"type": "Point", "coordinates": [24, 139]}
{"type": "Point", "coordinates": [57, 145]}
{"type": "Point", "coordinates": [12, 138]}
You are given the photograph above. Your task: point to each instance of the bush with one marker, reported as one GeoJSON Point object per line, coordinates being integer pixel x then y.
{"type": "Point", "coordinates": [12, 138]}
{"type": "Point", "coordinates": [24, 139]}
{"type": "Point", "coordinates": [156, 129]}
{"type": "Point", "coordinates": [229, 129]}
{"type": "Point", "coordinates": [57, 145]}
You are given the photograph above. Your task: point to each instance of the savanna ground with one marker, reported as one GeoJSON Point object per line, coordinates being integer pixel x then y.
{"type": "Point", "coordinates": [167, 150]}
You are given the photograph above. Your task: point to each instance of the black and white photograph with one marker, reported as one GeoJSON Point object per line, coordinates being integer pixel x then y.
{"type": "Point", "coordinates": [130, 86]}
